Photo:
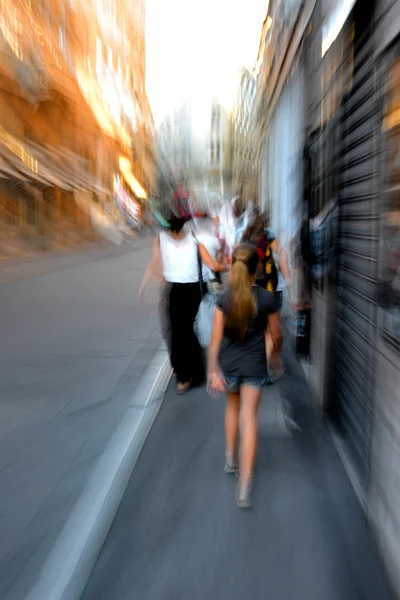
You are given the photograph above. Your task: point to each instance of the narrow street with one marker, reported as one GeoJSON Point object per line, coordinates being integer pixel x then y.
{"type": "Point", "coordinates": [260, 142]}
{"type": "Point", "coordinates": [74, 343]}
{"type": "Point", "coordinates": [178, 533]}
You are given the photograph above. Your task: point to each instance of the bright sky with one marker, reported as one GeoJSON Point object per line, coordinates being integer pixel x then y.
{"type": "Point", "coordinates": [195, 49]}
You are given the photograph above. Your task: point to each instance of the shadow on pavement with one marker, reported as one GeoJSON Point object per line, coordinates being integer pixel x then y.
{"type": "Point", "coordinates": [178, 533]}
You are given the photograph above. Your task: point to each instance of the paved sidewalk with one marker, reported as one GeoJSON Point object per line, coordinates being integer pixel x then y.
{"type": "Point", "coordinates": [179, 535]}
{"type": "Point", "coordinates": [49, 262]}
{"type": "Point", "coordinates": [74, 344]}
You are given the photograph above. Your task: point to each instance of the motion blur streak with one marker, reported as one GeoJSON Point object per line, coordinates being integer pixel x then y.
{"type": "Point", "coordinates": [316, 139]}
{"type": "Point", "coordinates": [72, 100]}
{"type": "Point", "coordinates": [135, 135]}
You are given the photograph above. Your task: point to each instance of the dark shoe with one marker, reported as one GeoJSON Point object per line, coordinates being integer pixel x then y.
{"type": "Point", "coordinates": [183, 388]}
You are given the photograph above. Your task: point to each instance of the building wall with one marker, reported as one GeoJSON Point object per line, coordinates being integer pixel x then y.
{"type": "Point", "coordinates": [56, 89]}
{"type": "Point", "coordinates": [245, 127]}
{"type": "Point", "coordinates": [196, 141]}
{"type": "Point", "coordinates": [219, 151]}
{"type": "Point", "coordinates": [281, 167]}
{"type": "Point", "coordinates": [354, 368]}
{"type": "Point", "coordinates": [367, 388]}
{"type": "Point", "coordinates": [384, 493]}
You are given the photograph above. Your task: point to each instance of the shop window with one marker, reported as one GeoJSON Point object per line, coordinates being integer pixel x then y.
{"type": "Point", "coordinates": [323, 223]}
{"type": "Point", "coordinates": [390, 245]}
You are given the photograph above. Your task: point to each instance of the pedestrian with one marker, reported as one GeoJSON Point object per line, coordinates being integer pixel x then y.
{"type": "Point", "coordinates": [233, 222]}
{"type": "Point", "coordinates": [237, 362]}
{"type": "Point", "coordinates": [175, 256]}
{"type": "Point", "coordinates": [254, 231]}
{"type": "Point", "coordinates": [206, 233]}
{"type": "Point", "coordinates": [274, 274]}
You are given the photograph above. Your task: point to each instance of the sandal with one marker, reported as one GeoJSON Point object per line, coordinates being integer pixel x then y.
{"type": "Point", "coordinates": [244, 493]}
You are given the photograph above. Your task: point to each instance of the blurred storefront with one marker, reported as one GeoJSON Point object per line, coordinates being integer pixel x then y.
{"type": "Point", "coordinates": [281, 190]}
{"type": "Point", "coordinates": [384, 493]}
{"type": "Point", "coordinates": [348, 195]}
{"type": "Point", "coordinates": [71, 104]}
{"type": "Point", "coordinates": [281, 111]}
{"type": "Point", "coordinates": [327, 111]}
{"type": "Point", "coordinates": [355, 366]}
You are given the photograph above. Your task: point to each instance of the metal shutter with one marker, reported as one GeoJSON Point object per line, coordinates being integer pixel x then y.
{"type": "Point", "coordinates": [358, 255]}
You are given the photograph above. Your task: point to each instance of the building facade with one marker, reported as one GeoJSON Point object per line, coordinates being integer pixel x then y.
{"type": "Point", "coordinates": [174, 138]}
{"type": "Point", "coordinates": [219, 152]}
{"type": "Point", "coordinates": [327, 126]}
{"type": "Point", "coordinates": [197, 144]}
{"type": "Point", "coordinates": [245, 167]}
{"type": "Point", "coordinates": [74, 111]}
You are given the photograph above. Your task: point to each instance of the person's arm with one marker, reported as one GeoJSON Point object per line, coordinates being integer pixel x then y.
{"type": "Point", "coordinates": [220, 255]}
{"type": "Point", "coordinates": [153, 269]}
{"type": "Point", "coordinates": [222, 233]}
{"type": "Point", "coordinates": [209, 261]}
{"type": "Point", "coordinates": [274, 328]}
{"type": "Point", "coordinates": [273, 337]}
{"type": "Point", "coordinates": [283, 263]}
{"type": "Point", "coordinates": [215, 378]}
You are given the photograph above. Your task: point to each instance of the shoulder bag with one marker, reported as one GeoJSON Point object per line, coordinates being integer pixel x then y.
{"type": "Point", "coordinates": [205, 315]}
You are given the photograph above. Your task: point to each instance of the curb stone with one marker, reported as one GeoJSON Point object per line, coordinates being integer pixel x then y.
{"type": "Point", "coordinates": [70, 563]}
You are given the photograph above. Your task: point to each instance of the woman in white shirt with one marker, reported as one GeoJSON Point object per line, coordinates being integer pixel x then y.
{"type": "Point", "coordinates": [206, 234]}
{"type": "Point", "coordinates": [175, 257]}
{"type": "Point", "coordinates": [234, 219]}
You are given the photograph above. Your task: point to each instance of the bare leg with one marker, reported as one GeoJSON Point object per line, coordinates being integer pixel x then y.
{"type": "Point", "coordinates": [250, 399]}
{"type": "Point", "coordinates": [275, 333]}
{"type": "Point", "coordinates": [232, 422]}
{"type": "Point", "coordinates": [269, 346]}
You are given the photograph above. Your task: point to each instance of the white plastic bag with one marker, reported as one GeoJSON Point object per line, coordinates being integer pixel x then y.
{"type": "Point", "coordinates": [204, 320]}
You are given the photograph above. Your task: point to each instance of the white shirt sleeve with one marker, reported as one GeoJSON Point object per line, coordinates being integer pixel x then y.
{"type": "Point", "coordinates": [224, 229]}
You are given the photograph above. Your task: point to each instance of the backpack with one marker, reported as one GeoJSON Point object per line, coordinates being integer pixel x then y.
{"type": "Point", "coordinates": [268, 275]}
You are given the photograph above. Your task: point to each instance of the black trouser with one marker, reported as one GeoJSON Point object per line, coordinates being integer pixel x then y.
{"type": "Point", "coordinates": [186, 354]}
{"type": "Point", "coordinates": [164, 315]}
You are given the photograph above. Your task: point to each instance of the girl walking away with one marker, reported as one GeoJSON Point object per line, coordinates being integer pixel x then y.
{"type": "Point", "coordinates": [175, 258]}
{"type": "Point", "coordinates": [237, 362]}
{"type": "Point", "coordinates": [273, 275]}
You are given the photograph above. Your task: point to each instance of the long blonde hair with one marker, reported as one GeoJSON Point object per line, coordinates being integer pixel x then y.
{"type": "Point", "coordinates": [242, 306]}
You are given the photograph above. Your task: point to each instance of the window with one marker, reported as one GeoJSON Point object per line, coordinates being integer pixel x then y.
{"type": "Point", "coordinates": [390, 245]}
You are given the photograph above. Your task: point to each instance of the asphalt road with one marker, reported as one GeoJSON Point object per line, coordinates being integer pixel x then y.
{"type": "Point", "coordinates": [179, 535]}
{"type": "Point", "coordinates": [74, 343]}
